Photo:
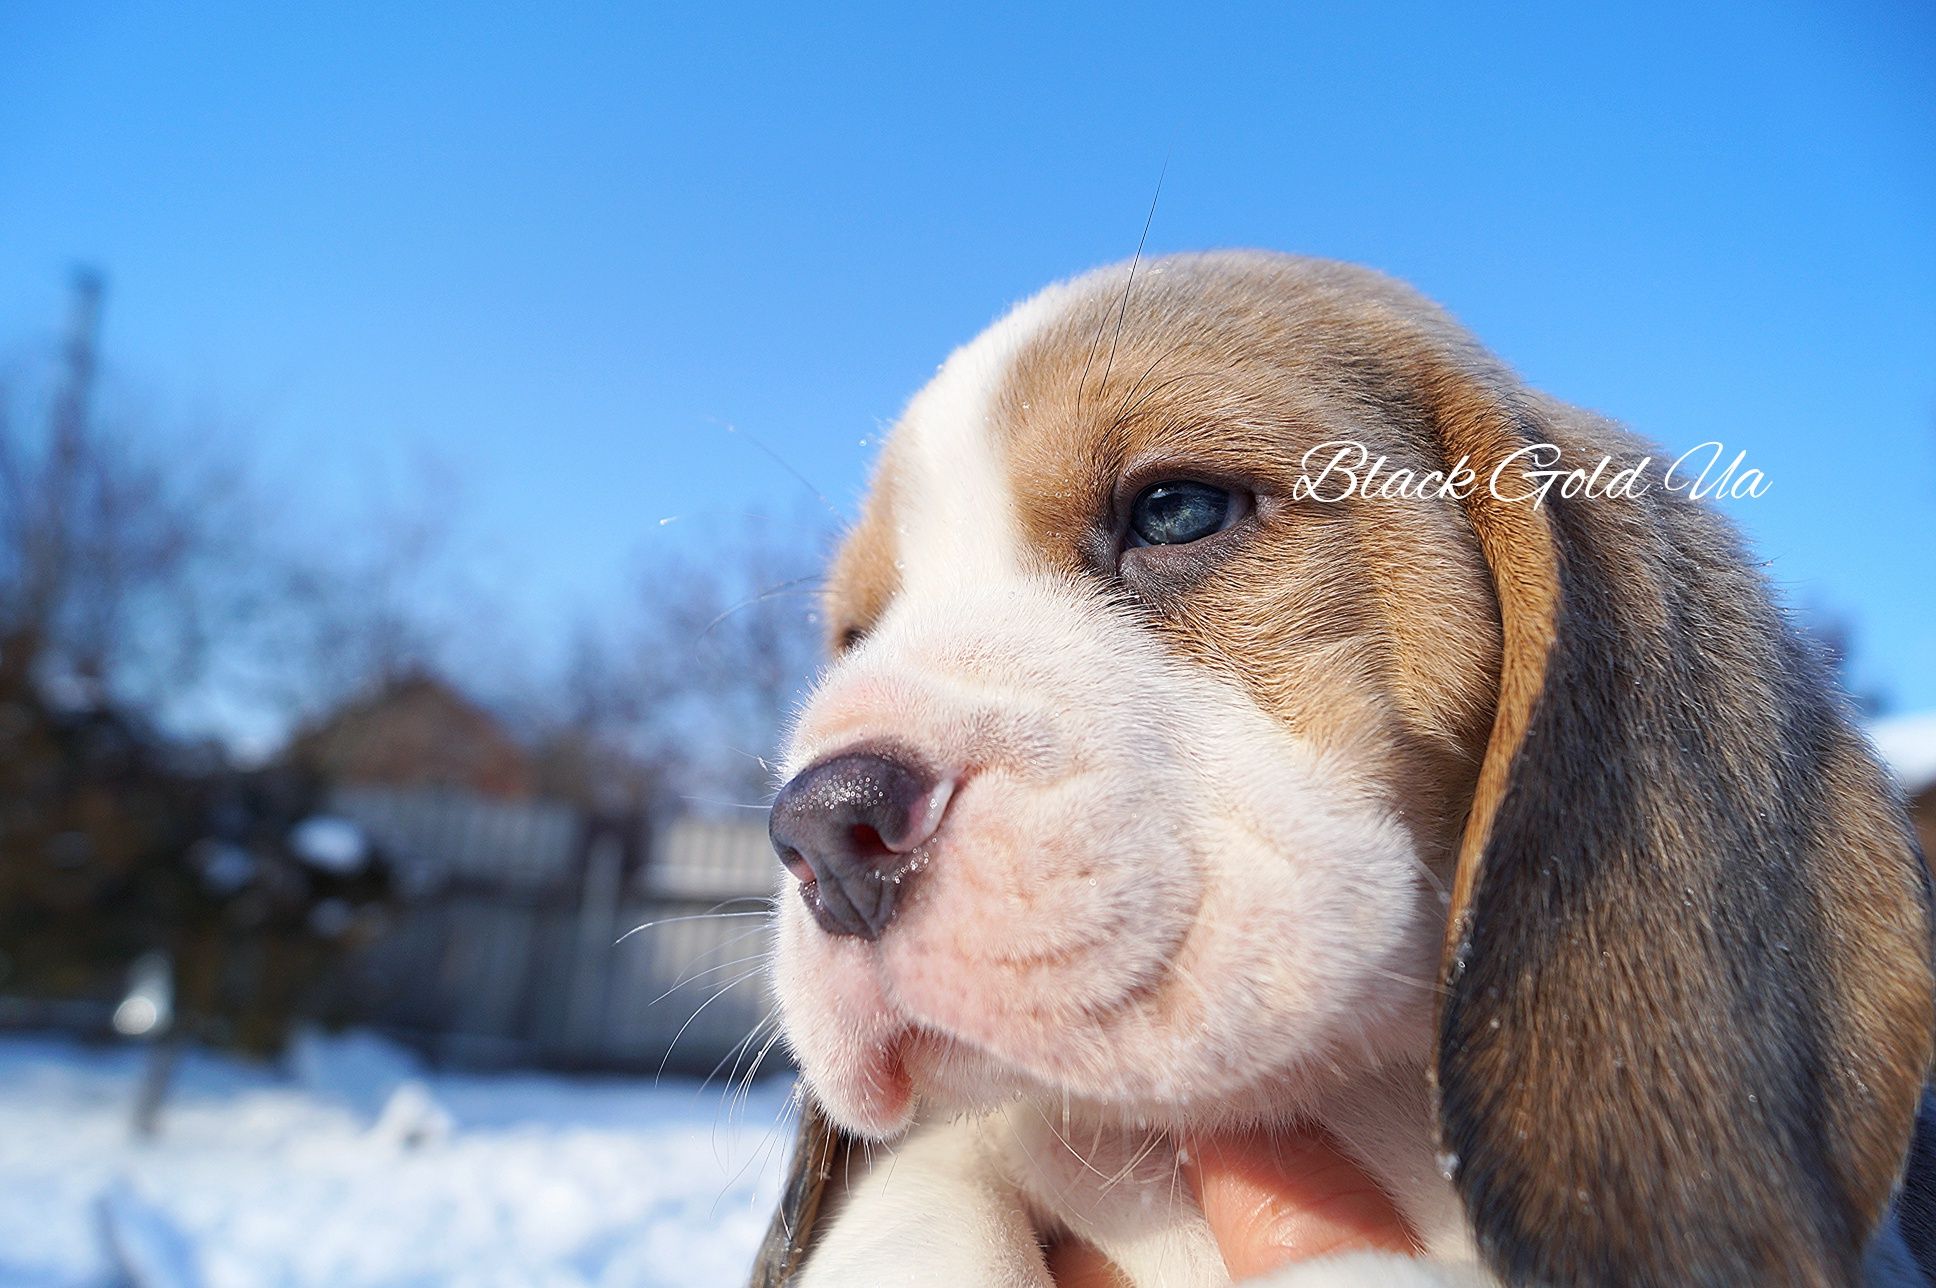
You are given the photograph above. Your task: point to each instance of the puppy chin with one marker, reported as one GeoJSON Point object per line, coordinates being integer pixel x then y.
{"type": "Point", "coordinates": [844, 1032]}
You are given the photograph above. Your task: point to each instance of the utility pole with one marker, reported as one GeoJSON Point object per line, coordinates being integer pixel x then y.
{"type": "Point", "coordinates": [46, 539]}
{"type": "Point", "coordinates": [67, 444]}
{"type": "Point", "coordinates": [78, 357]}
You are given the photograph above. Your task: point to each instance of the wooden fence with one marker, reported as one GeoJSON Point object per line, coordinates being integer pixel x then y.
{"type": "Point", "coordinates": [528, 935]}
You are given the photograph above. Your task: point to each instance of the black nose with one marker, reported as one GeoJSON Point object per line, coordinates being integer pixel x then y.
{"type": "Point", "coordinates": [844, 826]}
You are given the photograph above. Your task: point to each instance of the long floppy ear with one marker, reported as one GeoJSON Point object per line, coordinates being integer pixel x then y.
{"type": "Point", "coordinates": [819, 1149]}
{"type": "Point", "coordinates": [1688, 994]}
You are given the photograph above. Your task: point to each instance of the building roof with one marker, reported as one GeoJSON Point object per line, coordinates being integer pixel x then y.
{"type": "Point", "coordinates": [418, 730]}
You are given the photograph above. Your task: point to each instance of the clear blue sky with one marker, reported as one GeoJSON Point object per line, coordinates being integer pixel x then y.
{"type": "Point", "coordinates": [556, 246]}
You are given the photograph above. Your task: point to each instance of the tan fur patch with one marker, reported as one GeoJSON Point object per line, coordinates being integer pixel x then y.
{"type": "Point", "coordinates": [1363, 626]}
{"type": "Point", "coordinates": [864, 578]}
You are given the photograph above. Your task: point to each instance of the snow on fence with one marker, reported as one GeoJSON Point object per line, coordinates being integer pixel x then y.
{"type": "Point", "coordinates": [529, 934]}
{"type": "Point", "coordinates": [435, 837]}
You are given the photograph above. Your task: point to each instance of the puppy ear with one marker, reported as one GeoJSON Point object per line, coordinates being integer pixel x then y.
{"type": "Point", "coordinates": [819, 1150]}
{"type": "Point", "coordinates": [1688, 994]}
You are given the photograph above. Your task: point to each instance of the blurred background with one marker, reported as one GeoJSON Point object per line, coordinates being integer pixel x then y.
{"type": "Point", "coordinates": [422, 428]}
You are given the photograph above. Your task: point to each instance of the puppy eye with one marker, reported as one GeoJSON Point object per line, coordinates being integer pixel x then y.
{"type": "Point", "coordinates": [1179, 512]}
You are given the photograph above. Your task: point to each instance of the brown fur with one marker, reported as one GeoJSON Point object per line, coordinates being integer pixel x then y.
{"type": "Point", "coordinates": [863, 578]}
{"type": "Point", "coordinates": [1687, 976]}
{"type": "Point", "coordinates": [1689, 994]}
{"type": "Point", "coordinates": [1363, 625]}
{"type": "Point", "coordinates": [820, 1151]}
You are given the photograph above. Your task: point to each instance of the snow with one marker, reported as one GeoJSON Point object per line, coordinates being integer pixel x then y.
{"type": "Point", "coordinates": [1908, 744]}
{"type": "Point", "coordinates": [144, 1246]}
{"type": "Point", "coordinates": [150, 1000]}
{"type": "Point", "coordinates": [330, 844]}
{"type": "Point", "coordinates": [359, 1167]}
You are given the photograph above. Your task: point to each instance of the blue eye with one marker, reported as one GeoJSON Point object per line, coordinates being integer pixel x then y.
{"type": "Point", "coordinates": [1176, 513]}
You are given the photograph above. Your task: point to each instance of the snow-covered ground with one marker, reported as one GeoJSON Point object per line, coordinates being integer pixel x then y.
{"type": "Point", "coordinates": [351, 1166]}
{"type": "Point", "coordinates": [1908, 744]}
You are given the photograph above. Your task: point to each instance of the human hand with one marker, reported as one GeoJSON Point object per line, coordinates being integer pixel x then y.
{"type": "Point", "coordinates": [1270, 1200]}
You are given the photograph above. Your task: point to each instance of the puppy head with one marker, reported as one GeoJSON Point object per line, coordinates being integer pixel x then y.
{"type": "Point", "coordinates": [1193, 789]}
{"type": "Point", "coordinates": [1141, 781]}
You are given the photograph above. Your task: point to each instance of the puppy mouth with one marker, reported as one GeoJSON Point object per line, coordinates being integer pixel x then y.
{"type": "Point", "coordinates": [894, 1075]}
{"type": "Point", "coordinates": [945, 1063]}
{"type": "Point", "coordinates": [885, 1080]}
{"type": "Point", "coordinates": [893, 1079]}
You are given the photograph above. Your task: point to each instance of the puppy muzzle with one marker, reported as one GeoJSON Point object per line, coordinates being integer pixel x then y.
{"type": "Point", "coordinates": [849, 828]}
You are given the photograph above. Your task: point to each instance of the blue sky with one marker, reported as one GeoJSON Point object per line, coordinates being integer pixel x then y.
{"type": "Point", "coordinates": [557, 248]}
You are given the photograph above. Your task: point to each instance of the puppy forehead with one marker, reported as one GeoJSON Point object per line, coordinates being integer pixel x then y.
{"type": "Point", "coordinates": [961, 469]}
{"type": "Point", "coordinates": [949, 483]}
{"type": "Point", "coordinates": [1021, 433]}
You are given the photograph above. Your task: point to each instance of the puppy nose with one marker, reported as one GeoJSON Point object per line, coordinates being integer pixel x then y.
{"type": "Point", "coordinates": [844, 827]}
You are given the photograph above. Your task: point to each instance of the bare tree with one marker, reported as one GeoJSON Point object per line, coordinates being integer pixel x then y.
{"type": "Point", "coordinates": [386, 596]}
{"type": "Point", "coordinates": [116, 542]}
{"type": "Point", "coordinates": [681, 705]}
{"type": "Point", "coordinates": [144, 566]}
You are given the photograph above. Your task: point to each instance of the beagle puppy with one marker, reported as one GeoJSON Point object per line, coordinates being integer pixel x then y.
{"type": "Point", "coordinates": [1502, 833]}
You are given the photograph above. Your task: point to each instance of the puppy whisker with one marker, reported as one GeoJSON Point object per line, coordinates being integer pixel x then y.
{"type": "Point", "coordinates": [1432, 986]}
{"type": "Point", "coordinates": [711, 914]}
{"type": "Point", "coordinates": [779, 460]}
{"type": "Point", "coordinates": [724, 989]}
{"type": "Point", "coordinates": [688, 981]}
{"type": "Point", "coordinates": [779, 590]}
{"type": "Point", "coordinates": [1129, 283]}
